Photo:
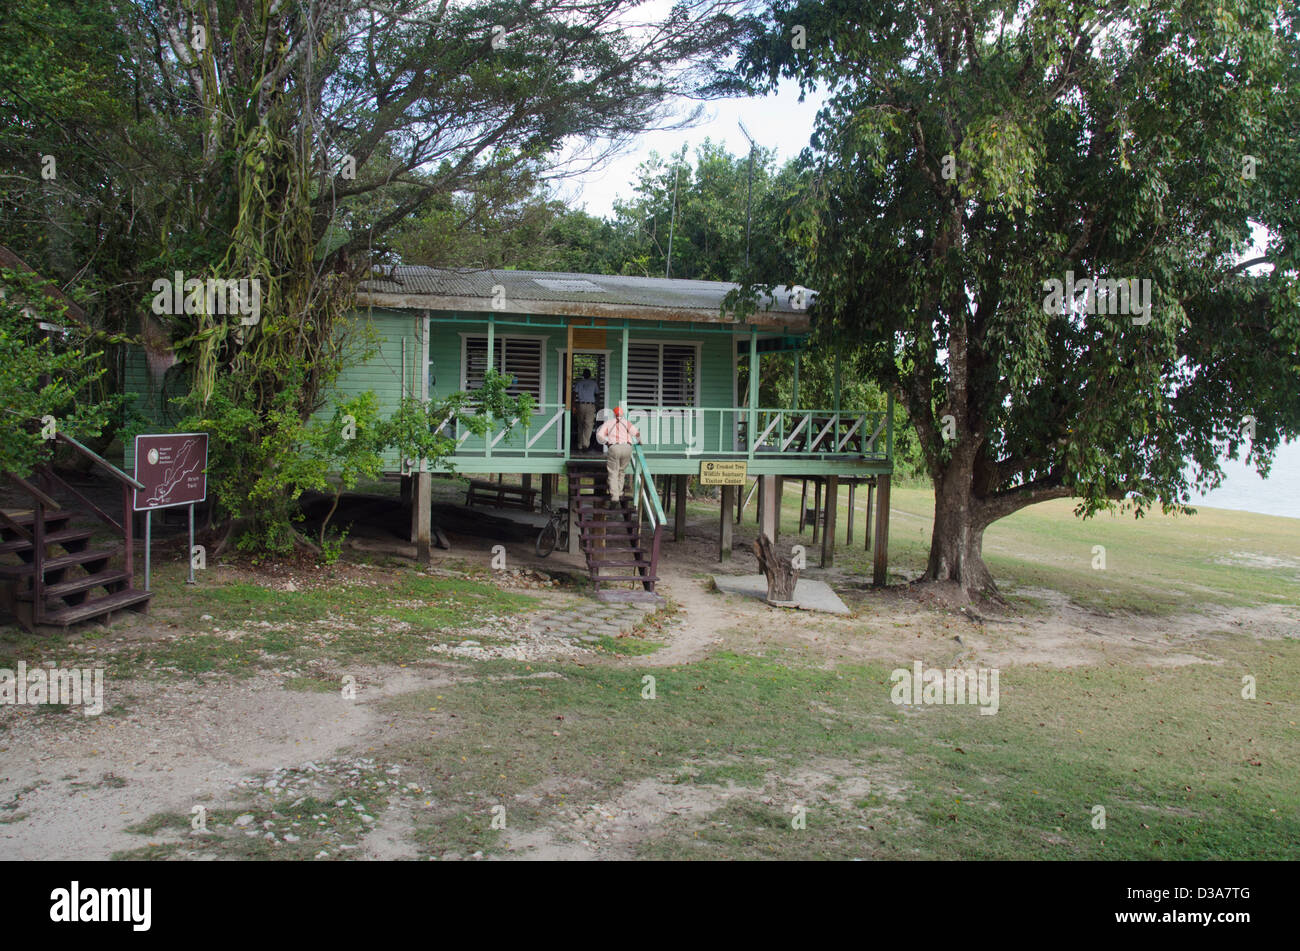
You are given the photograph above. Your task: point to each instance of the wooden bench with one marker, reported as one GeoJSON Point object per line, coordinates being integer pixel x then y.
{"type": "Point", "coordinates": [501, 495]}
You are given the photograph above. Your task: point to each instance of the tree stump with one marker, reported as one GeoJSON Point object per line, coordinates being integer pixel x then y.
{"type": "Point", "coordinates": [781, 573]}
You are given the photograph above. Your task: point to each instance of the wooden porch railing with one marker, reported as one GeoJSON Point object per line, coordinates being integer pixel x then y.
{"type": "Point", "coordinates": [728, 432]}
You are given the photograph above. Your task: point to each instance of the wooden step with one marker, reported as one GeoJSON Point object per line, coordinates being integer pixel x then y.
{"type": "Point", "coordinates": [55, 564]}
{"type": "Point", "coordinates": [97, 607]}
{"type": "Point", "coordinates": [61, 537]}
{"type": "Point", "coordinates": [77, 585]}
{"type": "Point", "coordinates": [27, 517]}
{"type": "Point", "coordinates": [608, 531]}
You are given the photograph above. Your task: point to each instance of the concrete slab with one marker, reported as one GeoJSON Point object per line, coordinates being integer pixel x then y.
{"type": "Point", "coordinates": [635, 596]}
{"type": "Point", "coordinates": [810, 595]}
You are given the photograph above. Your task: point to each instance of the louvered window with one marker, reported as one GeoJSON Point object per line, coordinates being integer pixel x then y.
{"type": "Point", "coordinates": [662, 374]}
{"type": "Point", "coordinates": [643, 374]}
{"type": "Point", "coordinates": [520, 357]}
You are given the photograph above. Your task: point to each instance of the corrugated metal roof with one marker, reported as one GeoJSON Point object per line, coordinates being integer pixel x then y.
{"type": "Point", "coordinates": [557, 292]}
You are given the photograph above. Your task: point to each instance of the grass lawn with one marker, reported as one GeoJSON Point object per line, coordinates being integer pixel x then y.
{"type": "Point", "coordinates": [1156, 564]}
{"type": "Point", "coordinates": [1183, 767]}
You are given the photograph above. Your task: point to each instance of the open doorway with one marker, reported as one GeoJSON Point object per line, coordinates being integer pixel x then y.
{"type": "Point", "coordinates": [594, 362]}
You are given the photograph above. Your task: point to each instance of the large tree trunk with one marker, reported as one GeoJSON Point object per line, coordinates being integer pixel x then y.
{"type": "Point", "coordinates": [957, 541]}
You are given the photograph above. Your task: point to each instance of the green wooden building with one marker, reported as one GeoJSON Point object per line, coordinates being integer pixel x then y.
{"type": "Point", "coordinates": [661, 348]}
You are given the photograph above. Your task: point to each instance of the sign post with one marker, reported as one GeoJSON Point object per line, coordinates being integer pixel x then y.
{"type": "Point", "coordinates": [173, 468]}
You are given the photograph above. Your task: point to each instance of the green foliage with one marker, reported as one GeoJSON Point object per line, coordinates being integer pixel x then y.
{"type": "Point", "coordinates": [702, 208]}
{"type": "Point", "coordinates": [351, 445]}
{"type": "Point", "coordinates": [973, 151]}
{"type": "Point", "coordinates": [510, 223]}
{"type": "Point", "coordinates": [259, 465]}
{"type": "Point", "coordinates": [332, 548]}
{"type": "Point", "coordinates": [256, 471]}
{"type": "Point", "coordinates": [287, 148]}
{"type": "Point", "coordinates": [43, 375]}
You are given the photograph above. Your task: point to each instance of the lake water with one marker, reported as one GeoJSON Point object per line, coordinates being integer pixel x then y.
{"type": "Point", "coordinates": [1243, 489]}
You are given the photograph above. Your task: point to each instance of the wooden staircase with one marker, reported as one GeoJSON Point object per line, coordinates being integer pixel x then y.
{"type": "Point", "coordinates": [618, 547]}
{"type": "Point", "coordinates": [50, 572]}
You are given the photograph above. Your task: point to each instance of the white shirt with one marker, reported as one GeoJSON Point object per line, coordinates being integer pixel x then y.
{"type": "Point", "coordinates": [586, 388]}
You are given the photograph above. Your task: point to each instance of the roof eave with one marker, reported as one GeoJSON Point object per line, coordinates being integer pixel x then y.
{"type": "Point", "coordinates": [789, 319]}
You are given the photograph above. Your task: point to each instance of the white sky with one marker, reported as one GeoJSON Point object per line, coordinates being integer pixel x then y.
{"type": "Point", "coordinates": [778, 122]}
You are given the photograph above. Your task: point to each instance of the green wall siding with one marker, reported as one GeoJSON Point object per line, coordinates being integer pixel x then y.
{"type": "Point", "coordinates": [148, 399]}
{"type": "Point", "coordinates": [382, 372]}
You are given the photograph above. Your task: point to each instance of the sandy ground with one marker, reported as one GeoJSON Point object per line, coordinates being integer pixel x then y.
{"type": "Point", "coordinates": [80, 781]}
{"type": "Point", "coordinates": [69, 786]}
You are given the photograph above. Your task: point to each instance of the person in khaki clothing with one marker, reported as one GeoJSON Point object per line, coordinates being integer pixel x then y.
{"type": "Point", "coordinates": [617, 436]}
{"type": "Point", "coordinates": [585, 390]}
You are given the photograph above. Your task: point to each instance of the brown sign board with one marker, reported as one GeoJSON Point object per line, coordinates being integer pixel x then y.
{"type": "Point", "coordinates": [173, 468]}
{"type": "Point", "coordinates": [718, 472]}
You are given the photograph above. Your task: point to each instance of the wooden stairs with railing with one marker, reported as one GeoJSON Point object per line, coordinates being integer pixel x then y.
{"type": "Point", "coordinates": [51, 574]}
{"type": "Point", "coordinates": [613, 541]}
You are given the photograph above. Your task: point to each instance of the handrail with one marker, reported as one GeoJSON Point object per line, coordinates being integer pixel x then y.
{"type": "Point", "coordinates": [50, 476]}
{"type": "Point", "coordinates": [35, 492]}
{"type": "Point", "coordinates": [644, 492]}
{"type": "Point", "coordinates": [95, 457]}
{"type": "Point", "coordinates": [543, 417]}
{"type": "Point", "coordinates": [643, 479]}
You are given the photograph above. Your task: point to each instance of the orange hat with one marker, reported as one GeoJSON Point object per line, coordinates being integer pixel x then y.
{"type": "Point", "coordinates": [618, 411]}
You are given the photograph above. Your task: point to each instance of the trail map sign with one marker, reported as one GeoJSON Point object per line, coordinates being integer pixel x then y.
{"type": "Point", "coordinates": [723, 473]}
{"type": "Point", "coordinates": [172, 467]}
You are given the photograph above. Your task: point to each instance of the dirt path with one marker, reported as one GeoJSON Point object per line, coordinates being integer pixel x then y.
{"type": "Point", "coordinates": [705, 614]}
{"type": "Point", "coordinates": [78, 782]}
{"type": "Point", "coordinates": [642, 810]}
